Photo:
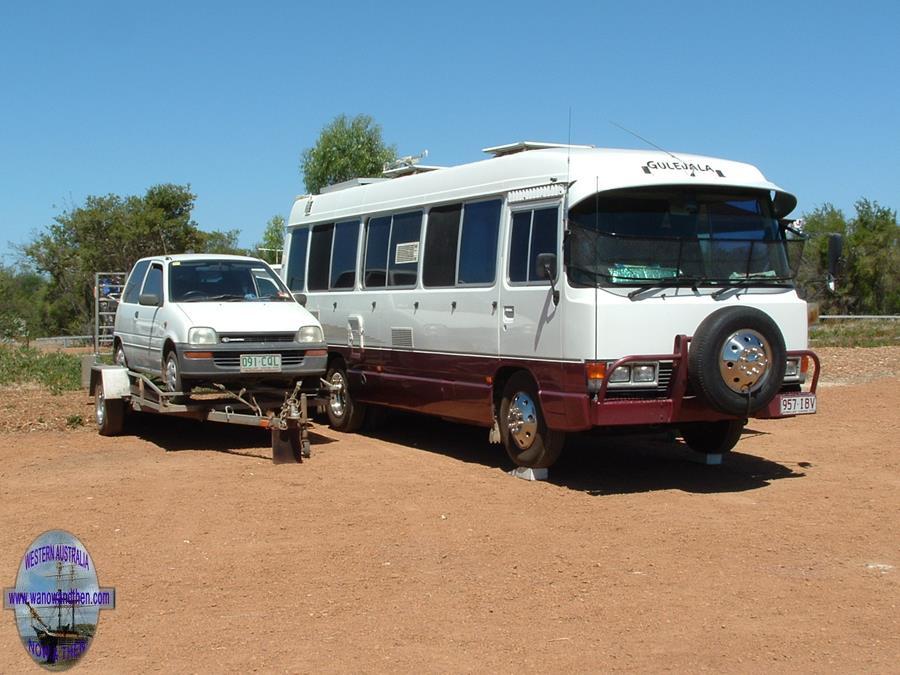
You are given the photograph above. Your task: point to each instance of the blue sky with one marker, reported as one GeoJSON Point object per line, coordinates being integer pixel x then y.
{"type": "Point", "coordinates": [112, 97]}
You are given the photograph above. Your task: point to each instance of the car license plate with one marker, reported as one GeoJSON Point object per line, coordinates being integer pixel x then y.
{"type": "Point", "coordinates": [260, 363]}
{"type": "Point", "coordinates": [798, 404]}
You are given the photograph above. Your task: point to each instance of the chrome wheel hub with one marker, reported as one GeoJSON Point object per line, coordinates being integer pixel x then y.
{"type": "Point", "coordinates": [171, 374]}
{"type": "Point", "coordinates": [337, 402]}
{"type": "Point", "coordinates": [746, 357]}
{"type": "Point", "coordinates": [521, 420]}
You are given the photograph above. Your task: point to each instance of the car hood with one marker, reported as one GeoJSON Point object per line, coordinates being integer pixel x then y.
{"type": "Point", "coordinates": [249, 317]}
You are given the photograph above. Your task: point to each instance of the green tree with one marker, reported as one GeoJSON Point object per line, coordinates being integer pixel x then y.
{"type": "Point", "coordinates": [107, 234]}
{"type": "Point", "coordinates": [346, 149]}
{"type": "Point", "coordinates": [24, 294]}
{"type": "Point", "coordinates": [219, 241]}
{"type": "Point", "coordinates": [869, 281]}
{"type": "Point", "coordinates": [270, 247]}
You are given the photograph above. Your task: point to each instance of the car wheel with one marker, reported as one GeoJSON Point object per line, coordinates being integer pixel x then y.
{"type": "Point", "coordinates": [109, 413]}
{"type": "Point", "coordinates": [737, 360]}
{"type": "Point", "coordinates": [119, 358]}
{"type": "Point", "coordinates": [712, 438]}
{"type": "Point", "coordinates": [344, 414]}
{"type": "Point", "coordinates": [523, 430]}
{"type": "Point", "coordinates": [172, 373]}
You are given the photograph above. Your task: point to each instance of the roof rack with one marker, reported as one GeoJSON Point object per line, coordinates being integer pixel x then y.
{"type": "Point", "coordinates": [524, 146]}
{"type": "Point", "coordinates": [353, 182]}
{"type": "Point", "coordinates": [409, 170]}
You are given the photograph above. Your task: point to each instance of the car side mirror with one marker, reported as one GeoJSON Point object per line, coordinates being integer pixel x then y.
{"type": "Point", "coordinates": [301, 298]}
{"type": "Point", "coordinates": [545, 267]}
{"type": "Point", "coordinates": [151, 299]}
{"type": "Point", "coordinates": [835, 249]}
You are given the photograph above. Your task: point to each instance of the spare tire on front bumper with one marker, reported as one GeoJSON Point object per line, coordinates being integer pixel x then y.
{"type": "Point", "coordinates": [737, 360]}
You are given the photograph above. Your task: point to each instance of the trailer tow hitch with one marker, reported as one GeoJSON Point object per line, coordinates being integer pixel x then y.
{"type": "Point", "coordinates": [290, 430]}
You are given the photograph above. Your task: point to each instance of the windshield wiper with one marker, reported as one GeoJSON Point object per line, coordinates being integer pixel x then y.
{"type": "Point", "coordinates": [744, 282]}
{"type": "Point", "coordinates": [666, 283]}
{"type": "Point", "coordinates": [224, 296]}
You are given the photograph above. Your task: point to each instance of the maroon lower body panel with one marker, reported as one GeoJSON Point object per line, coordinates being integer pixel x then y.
{"type": "Point", "coordinates": [461, 388]}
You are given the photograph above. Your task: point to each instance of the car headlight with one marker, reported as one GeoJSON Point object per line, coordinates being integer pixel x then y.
{"type": "Point", "coordinates": [311, 334]}
{"type": "Point", "coordinates": [202, 336]}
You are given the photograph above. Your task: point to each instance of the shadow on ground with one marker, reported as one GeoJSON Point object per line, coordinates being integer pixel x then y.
{"type": "Point", "coordinates": [175, 434]}
{"type": "Point", "coordinates": [598, 464]}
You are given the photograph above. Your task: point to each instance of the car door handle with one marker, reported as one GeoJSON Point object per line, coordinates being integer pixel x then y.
{"type": "Point", "coordinates": [136, 314]}
{"type": "Point", "coordinates": [509, 312]}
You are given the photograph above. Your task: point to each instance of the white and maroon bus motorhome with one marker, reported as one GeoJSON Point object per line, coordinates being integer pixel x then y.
{"type": "Point", "coordinates": [554, 289]}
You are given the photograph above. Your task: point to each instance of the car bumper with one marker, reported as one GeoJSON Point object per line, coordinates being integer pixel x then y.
{"type": "Point", "coordinates": [222, 363]}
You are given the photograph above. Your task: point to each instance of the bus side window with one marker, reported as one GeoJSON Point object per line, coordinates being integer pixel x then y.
{"type": "Point", "coordinates": [403, 252]}
{"type": "Point", "coordinates": [378, 232]}
{"type": "Point", "coordinates": [478, 243]}
{"type": "Point", "coordinates": [533, 233]}
{"type": "Point", "coordinates": [343, 255]}
{"type": "Point", "coordinates": [296, 271]}
{"type": "Point", "coordinates": [320, 257]}
{"type": "Point", "coordinates": [441, 239]}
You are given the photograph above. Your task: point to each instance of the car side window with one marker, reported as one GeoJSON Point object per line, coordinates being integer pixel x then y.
{"type": "Point", "coordinates": [133, 287]}
{"type": "Point", "coordinates": [153, 282]}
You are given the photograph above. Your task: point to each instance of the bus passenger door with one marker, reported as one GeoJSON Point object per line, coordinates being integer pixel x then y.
{"type": "Point", "coordinates": [530, 321]}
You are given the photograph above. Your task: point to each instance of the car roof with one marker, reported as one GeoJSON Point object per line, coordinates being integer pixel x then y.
{"type": "Point", "coordinates": [182, 257]}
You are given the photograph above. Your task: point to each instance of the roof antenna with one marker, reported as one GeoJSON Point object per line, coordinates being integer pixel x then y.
{"type": "Point", "coordinates": [652, 144]}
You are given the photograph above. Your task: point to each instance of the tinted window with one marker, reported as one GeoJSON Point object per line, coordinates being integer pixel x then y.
{"type": "Point", "coordinates": [133, 287]}
{"type": "Point", "coordinates": [296, 272]}
{"type": "Point", "coordinates": [439, 265]}
{"type": "Point", "coordinates": [153, 282]}
{"type": "Point", "coordinates": [378, 234]}
{"type": "Point", "coordinates": [403, 252]}
{"type": "Point", "coordinates": [518, 248]}
{"type": "Point", "coordinates": [543, 237]}
{"type": "Point", "coordinates": [478, 246]}
{"type": "Point", "coordinates": [320, 257]}
{"type": "Point", "coordinates": [343, 257]}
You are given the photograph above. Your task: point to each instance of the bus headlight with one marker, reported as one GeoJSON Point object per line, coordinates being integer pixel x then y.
{"type": "Point", "coordinates": [644, 373]}
{"type": "Point", "coordinates": [620, 374]}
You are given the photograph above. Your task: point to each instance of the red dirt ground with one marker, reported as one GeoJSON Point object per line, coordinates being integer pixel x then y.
{"type": "Point", "coordinates": [411, 550]}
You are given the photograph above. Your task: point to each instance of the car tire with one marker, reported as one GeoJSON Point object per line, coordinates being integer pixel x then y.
{"type": "Point", "coordinates": [344, 414]}
{"type": "Point", "coordinates": [172, 372]}
{"type": "Point", "coordinates": [523, 430]}
{"type": "Point", "coordinates": [109, 413]}
{"type": "Point", "coordinates": [712, 438]}
{"type": "Point", "coordinates": [737, 360]}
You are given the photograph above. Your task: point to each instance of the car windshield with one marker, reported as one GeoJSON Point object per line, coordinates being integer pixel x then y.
{"type": "Point", "coordinates": [225, 280]}
{"type": "Point", "coordinates": [666, 234]}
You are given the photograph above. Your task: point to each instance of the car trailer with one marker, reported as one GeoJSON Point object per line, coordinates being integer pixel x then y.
{"type": "Point", "coordinates": [118, 390]}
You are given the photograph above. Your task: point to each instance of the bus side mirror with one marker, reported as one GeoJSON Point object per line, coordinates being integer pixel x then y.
{"type": "Point", "coordinates": [545, 267]}
{"type": "Point", "coordinates": [835, 248]}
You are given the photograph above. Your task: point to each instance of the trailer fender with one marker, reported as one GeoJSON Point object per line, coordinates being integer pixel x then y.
{"type": "Point", "coordinates": [115, 381]}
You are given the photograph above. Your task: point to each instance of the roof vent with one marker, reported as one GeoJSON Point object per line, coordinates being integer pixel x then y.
{"type": "Point", "coordinates": [353, 182]}
{"type": "Point", "coordinates": [524, 146]}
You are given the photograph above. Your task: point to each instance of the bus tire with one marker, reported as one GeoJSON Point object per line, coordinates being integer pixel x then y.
{"type": "Point", "coordinates": [344, 414]}
{"type": "Point", "coordinates": [737, 360]}
{"type": "Point", "coordinates": [523, 430]}
{"type": "Point", "coordinates": [109, 413]}
{"type": "Point", "coordinates": [712, 438]}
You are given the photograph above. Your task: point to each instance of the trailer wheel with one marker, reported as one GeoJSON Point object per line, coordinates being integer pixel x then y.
{"type": "Point", "coordinates": [110, 413]}
{"type": "Point", "coordinates": [712, 438]}
{"type": "Point", "coordinates": [344, 414]}
{"type": "Point", "coordinates": [523, 430]}
{"type": "Point", "coordinates": [737, 360]}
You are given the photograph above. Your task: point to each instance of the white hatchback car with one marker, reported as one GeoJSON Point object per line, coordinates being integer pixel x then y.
{"type": "Point", "coordinates": [196, 319]}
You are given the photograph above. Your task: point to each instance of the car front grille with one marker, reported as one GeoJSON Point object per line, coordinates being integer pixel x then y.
{"type": "Point", "coordinates": [241, 338]}
{"type": "Point", "coordinates": [233, 359]}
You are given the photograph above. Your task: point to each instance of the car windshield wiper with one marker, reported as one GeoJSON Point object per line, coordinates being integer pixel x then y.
{"type": "Point", "coordinates": [231, 297]}
{"type": "Point", "coordinates": [743, 282]}
{"type": "Point", "coordinates": [669, 282]}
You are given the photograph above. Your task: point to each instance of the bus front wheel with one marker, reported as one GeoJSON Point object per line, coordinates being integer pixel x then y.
{"type": "Point", "coordinates": [344, 414]}
{"type": "Point", "coordinates": [523, 430]}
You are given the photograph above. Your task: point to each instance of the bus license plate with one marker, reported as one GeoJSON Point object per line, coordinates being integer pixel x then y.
{"type": "Point", "coordinates": [260, 363]}
{"type": "Point", "coordinates": [798, 404]}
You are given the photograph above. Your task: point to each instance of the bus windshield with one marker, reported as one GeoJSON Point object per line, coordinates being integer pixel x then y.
{"type": "Point", "coordinates": [666, 234]}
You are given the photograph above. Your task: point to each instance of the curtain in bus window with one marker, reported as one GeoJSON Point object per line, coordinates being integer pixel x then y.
{"type": "Point", "coordinates": [543, 237]}
{"type": "Point", "coordinates": [478, 243]}
{"type": "Point", "coordinates": [343, 257]}
{"type": "Point", "coordinates": [378, 234]}
{"type": "Point", "coordinates": [518, 248]}
{"type": "Point", "coordinates": [439, 264]}
{"type": "Point", "coordinates": [296, 271]}
{"type": "Point", "coordinates": [403, 253]}
{"type": "Point", "coordinates": [320, 257]}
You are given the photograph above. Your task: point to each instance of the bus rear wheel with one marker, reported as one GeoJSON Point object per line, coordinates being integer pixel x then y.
{"type": "Point", "coordinates": [344, 414]}
{"type": "Point", "coordinates": [523, 430]}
